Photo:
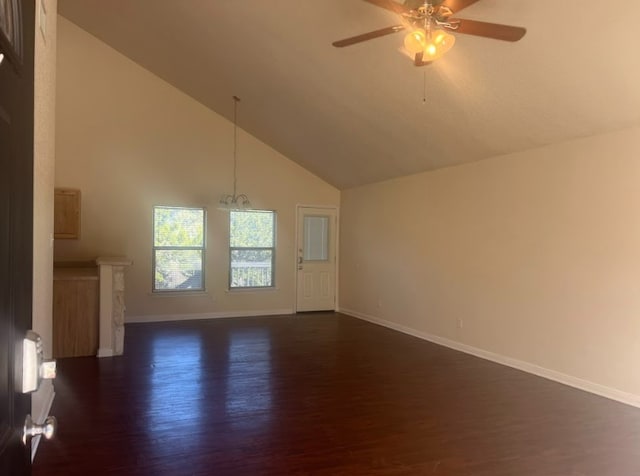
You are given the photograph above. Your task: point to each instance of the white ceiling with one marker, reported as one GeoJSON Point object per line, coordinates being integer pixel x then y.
{"type": "Point", "coordinates": [356, 115]}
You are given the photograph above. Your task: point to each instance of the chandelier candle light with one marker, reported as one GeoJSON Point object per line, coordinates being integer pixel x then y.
{"type": "Point", "coordinates": [235, 201]}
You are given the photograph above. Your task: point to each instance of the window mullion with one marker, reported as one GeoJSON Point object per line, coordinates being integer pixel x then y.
{"type": "Point", "coordinates": [179, 248]}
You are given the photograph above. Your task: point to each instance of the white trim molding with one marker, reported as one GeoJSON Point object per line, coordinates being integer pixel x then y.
{"type": "Point", "coordinates": [575, 382]}
{"type": "Point", "coordinates": [105, 352]}
{"type": "Point", "coordinates": [209, 315]}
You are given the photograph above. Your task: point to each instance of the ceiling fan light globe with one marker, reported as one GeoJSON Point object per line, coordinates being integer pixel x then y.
{"type": "Point", "coordinates": [447, 42]}
{"type": "Point", "coordinates": [415, 41]}
{"type": "Point", "coordinates": [438, 45]}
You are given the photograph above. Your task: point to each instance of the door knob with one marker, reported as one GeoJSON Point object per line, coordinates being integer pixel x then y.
{"type": "Point", "coordinates": [47, 429]}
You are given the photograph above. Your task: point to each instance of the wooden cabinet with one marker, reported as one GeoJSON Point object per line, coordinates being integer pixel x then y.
{"type": "Point", "coordinates": [66, 213]}
{"type": "Point", "coordinates": [75, 311]}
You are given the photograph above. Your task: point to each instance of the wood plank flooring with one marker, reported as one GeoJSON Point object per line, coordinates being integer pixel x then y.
{"type": "Point", "coordinates": [322, 394]}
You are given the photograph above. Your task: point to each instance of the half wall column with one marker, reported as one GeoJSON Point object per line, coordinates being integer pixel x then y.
{"type": "Point", "coordinates": [112, 307]}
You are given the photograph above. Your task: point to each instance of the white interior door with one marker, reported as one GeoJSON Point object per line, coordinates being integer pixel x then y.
{"type": "Point", "coordinates": [316, 282]}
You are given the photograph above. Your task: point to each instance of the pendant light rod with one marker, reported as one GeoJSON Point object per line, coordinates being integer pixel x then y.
{"type": "Point", "coordinates": [235, 201]}
{"type": "Point", "coordinates": [236, 100]}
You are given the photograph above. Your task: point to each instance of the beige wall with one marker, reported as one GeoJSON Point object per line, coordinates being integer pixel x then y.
{"type": "Point", "coordinates": [534, 256]}
{"type": "Point", "coordinates": [129, 141]}
{"type": "Point", "coordinates": [44, 161]}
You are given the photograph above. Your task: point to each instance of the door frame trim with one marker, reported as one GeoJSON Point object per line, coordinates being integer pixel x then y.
{"type": "Point", "coordinates": [335, 208]}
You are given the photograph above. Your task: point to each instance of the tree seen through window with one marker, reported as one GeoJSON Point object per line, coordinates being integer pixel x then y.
{"type": "Point", "coordinates": [178, 248]}
{"type": "Point", "coordinates": [251, 249]}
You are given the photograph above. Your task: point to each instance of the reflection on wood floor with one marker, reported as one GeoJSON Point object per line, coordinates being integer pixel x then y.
{"type": "Point", "coordinates": [321, 394]}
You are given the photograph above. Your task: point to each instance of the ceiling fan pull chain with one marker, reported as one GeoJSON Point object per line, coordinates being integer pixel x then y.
{"type": "Point", "coordinates": [424, 86]}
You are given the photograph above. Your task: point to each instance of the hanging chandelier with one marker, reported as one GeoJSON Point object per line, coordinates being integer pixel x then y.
{"type": "Point", "coordinates": [235, 201]}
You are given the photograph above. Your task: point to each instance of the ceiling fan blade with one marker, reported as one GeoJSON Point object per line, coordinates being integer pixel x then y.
{"type": "Point", "coordinates": [489, 30]}
{"type": "Point", "coordinates": [389, 5]}
{"type": "Point", "coordinates": [457, 5]}
{"type": "Point", "coordinates": [367, 36]}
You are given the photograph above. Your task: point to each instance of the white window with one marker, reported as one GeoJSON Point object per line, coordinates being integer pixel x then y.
{"type": "Point", "coordinates": [252, 249]}
{"type": "Point", "coordinates": [178, 249]}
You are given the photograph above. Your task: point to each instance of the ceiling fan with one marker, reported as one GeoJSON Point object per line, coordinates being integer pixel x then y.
{"type": "Point", "coordinates": [428, 22]}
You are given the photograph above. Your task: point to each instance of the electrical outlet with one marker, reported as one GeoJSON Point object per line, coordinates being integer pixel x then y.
{"type": "Point", "coordinates": [379, 303]}
{"type": "Point", "coordinates": [460, 323]}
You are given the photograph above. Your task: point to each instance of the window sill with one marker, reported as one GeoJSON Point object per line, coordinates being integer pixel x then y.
{"type": "Point", "coordinates": [174, 294]}
{"type": "Point", "coordinates": [252, 290]}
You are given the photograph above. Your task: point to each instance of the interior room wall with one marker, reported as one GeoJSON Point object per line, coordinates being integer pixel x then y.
{"type": "Point", "coordinates": [532, 259]}
{"type": "Point", "coordinates": [44, 164]}
{"type": "Point", "coordinates": [129, 141]}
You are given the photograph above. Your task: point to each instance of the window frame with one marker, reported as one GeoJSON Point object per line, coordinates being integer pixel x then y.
{"type": "Point", "coordinates": [202, 249]}
{"type": "Point", "coordinates": [252, 248]}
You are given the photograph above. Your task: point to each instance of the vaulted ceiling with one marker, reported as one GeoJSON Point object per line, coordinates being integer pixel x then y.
{"type": "Point", "coordinates": [356, 115]}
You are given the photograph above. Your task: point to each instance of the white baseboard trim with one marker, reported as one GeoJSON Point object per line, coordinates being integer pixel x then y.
{"type": "Point", "coordinates": [208, 315]}
{"type": "Point", "coordinates": [104, 352]}
{"type": "Point", "coordinates": [49, 395]}
{"type": "Point", "coordinates": [581, 384]}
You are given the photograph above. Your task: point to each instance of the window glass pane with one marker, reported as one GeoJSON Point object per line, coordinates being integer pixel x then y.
{"type": "Point", "coordinates": [178, 226]}
{"type": "Point", "coordinates": [178, 269]}
{"type": "Point", "coordinates": [251, 268]}
{"type": "Point", "coordinates": [252, 229]}
{"type": "Point", "coordinates": [316, 238]}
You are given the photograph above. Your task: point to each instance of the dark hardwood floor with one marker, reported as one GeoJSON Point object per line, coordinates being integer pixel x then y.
{"type": "Point", "coordinates": [322, 394]}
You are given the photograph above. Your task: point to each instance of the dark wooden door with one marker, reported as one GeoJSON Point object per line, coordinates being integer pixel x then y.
{"type": "Point", "coordinates": [16, 224]}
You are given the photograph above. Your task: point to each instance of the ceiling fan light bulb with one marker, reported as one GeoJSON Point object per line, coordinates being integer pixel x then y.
{"type": "Point", "coordinates": [440, 43]}
{"type": "Point", "coordinates": [415, 41]}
